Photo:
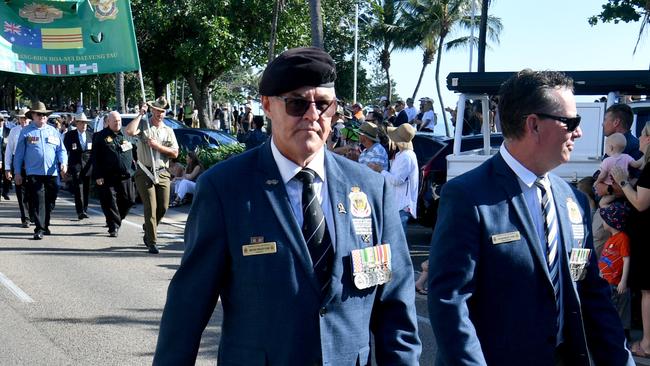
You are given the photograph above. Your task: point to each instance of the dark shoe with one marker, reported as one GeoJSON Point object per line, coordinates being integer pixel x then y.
{"type": "Point", "coordinates": [38, 235]}
{"type": "Point", "coordinates": [153, 249]}
{"type": "Point", "coordinates": [83, 215]}
{"type": "Point", "coordinates": [25, 224]}
{"type": "Point", "coordinates": [47, 232]}
{"type": "Point", "coordinates": [177, 202]}
{"type": "Point", "coordinates": [112, 234]}
{"type": "Point", "coordinates": [6, 197]}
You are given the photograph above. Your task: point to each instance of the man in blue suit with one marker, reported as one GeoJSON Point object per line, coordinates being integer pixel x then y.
{"type": "Point", "coordinates": [303, 248]}
{"type": "Point", "coordinates": [513, 279]}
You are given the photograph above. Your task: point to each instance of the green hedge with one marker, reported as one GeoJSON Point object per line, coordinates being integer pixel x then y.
{"type": "Point", "coordinates": [210, 156]}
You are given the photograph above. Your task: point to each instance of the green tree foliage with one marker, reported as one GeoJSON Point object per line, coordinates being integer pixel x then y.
{"type": "Point", "coordinates": [621, 10]}
{"type": "Point", "coordinates": [626, 11]}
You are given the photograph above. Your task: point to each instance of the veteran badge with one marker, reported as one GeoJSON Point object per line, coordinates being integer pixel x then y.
{"type": "Point", "coordinates": [105, 9]}
{"type": "Point", "coordinates": [359, 205]}
{"type": "Point", "coordinates": [371, 266]}
{"type": "Point", "coordinates": [574, 211]}
{"type": "Point", "coordinates": [578, 262]}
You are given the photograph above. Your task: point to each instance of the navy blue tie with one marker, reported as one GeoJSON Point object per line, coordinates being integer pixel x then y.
{"type": "Point", "coordinates": [551, 231]}
{"type": "Point", "coordinates": [314, 229]}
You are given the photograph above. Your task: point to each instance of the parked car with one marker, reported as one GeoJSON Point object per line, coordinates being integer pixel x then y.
{"type": "Point", "coordinates": [98, 122]}
{"type": "Point", "coordinates": [431, 152]}
{"type": "Point", "coordinates": [188, 138]}
{"type": "Point", "coordinates": [191, 138]}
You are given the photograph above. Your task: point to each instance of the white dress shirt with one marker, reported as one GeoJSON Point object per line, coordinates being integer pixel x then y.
{"type": "Point", "coordinates": [10, 150]}
{"type": "Point", "coordinates": [403, 176]}
{"type": "Point", "coordinates": [288, 170]}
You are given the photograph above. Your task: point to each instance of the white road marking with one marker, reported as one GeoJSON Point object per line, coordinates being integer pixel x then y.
{"type": "Point", "coordinates": [20, 294]}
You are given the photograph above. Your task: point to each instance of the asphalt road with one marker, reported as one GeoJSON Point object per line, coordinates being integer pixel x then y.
{"type": "Point", "coordinates": [79, 297]}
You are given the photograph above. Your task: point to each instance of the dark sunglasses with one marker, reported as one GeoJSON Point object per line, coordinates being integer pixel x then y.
{"type": "Point", "coordinates": [297, 107]}
{"type": "Point", "coordinates": [571, 123]}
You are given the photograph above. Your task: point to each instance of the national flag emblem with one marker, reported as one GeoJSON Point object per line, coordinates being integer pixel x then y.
{"type": "Point", "coordinates": [83, 69]}
{"type": "Point", "coordinates": [12, 28]}
{"type": "Point", "coordinates": [62, 38]}
{"type": "Point", "coordinates": [20, 66]}
{"type": "Point", "coordinates": [26, 37]}
{"type": "Point", "coordinates": [40, 69]}
{"type": "Point", "coordinates": [57, 69]}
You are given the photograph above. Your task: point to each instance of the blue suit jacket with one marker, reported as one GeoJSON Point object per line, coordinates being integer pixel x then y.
{"type": "Point", "coordinates": [494, 303]}
{"type": "Point", "coordinates": [273, 312]}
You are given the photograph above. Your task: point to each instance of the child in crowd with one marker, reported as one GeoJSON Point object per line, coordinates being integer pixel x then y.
{"type": "Point", "coordinates": [614, 261]}
{"type": "Point", "coordinates": [421, 283]}
{"type": "Point", "coordinates": [614, 146]}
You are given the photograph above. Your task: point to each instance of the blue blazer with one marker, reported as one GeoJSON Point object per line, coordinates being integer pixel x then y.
{"type": "Point", "coordinates": [494, 304]}
{"type": "Point", "coordinates": [273, 312]}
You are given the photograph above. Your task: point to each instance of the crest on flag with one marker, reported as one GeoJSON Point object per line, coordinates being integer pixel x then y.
{"type": "Point", "coordinates": [105, 9]}
{"type": "Point", "coordinates": [39, 13]}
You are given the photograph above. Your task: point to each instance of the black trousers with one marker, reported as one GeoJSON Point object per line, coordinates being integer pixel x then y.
{"type": "Point", "coordinates": [43, 190]}
{"type": "Point", "coordinates": [116, 197]}
{"type": "Point", "coordinates": [6, 183]}
{"type": "Point", "coordinates": [81, 189]}
{"type": "Point", "coordinates": [22, 196]}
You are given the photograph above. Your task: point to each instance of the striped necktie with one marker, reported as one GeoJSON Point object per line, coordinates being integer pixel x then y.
{"type": "Point", "coordinates": [551, 231]}
{"type": "Point", "coordinates": [314, 229]}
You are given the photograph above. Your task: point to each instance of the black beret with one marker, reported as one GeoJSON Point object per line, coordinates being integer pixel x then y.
{"type": "Point", "coordinates": [296, 68]}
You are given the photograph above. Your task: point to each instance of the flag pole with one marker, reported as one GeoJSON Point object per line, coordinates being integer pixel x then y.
{"type": "Point", "coordinates": [153, 176]}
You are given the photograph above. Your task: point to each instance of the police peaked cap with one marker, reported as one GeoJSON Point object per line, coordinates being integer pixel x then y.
{"type": "Point", "coordinates": [296, 68]}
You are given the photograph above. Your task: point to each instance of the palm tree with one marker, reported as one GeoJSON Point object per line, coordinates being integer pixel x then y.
{"type": "Point", "coordinates": [435, 19]}
{"type": "Point", "coordinates": [315, 12]}
{"type": "Point", "coordinates": [277, 9]}
{"type": "Point", "coordinates": [482, 35]}
{"type": "Point", "coordinates": [387, 33]}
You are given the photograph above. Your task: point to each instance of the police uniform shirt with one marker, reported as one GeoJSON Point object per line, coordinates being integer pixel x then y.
{"type": "Point", "coordinates": [41, 150]}
{"type": "Point", "coordinates": [112, 155]}
{"type": "Point", "coordinates": [164, 135]}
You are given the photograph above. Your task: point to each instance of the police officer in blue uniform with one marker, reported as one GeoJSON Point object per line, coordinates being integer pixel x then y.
{"type": "Point", "coordinates": [41, 149]}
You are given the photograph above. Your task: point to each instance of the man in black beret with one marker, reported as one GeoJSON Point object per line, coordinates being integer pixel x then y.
{"type": "Point", "coordinates": [304, 248]}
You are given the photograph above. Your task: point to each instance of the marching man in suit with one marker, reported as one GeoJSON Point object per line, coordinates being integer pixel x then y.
{"type": "Point", "coordinates": [513, 278]}
{"type": "Point", "coordinates": [303, 247]}
{"type": "Point", "coordinates": [79, 144]}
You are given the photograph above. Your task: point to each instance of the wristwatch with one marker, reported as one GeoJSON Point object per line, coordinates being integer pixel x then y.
{"type": "Point", "coordinates": [623, 183]}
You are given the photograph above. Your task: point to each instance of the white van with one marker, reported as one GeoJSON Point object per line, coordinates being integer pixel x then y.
{"type": "Point", "coordinates": [585, 158]}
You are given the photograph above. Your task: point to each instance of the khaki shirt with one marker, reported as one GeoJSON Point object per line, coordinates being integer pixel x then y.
{"type": "Point", "coordinates": [164, 135]}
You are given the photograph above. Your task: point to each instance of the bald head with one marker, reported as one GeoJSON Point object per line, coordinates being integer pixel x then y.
{"type": "Point", "coordinates": [114, 121]}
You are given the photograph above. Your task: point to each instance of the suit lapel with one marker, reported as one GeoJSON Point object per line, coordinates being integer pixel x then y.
{"type": "Point", "coordinates": [507, 179]}
{"type": "Point", "coordinates": [272, 185]}
{"type": "Point", "coordinates": [337, 189]}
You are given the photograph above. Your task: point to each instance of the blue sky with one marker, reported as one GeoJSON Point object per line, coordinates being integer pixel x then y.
{"type": "Point", "coordinates": [542, 35]}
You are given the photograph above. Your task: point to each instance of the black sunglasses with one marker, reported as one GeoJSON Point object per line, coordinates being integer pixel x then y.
{"type": "Point", "coordinates": [571, 123]}
{"type": "Point", "coordinates": [297, 107]}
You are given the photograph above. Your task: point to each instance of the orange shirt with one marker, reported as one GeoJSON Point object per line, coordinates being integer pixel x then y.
{"type": "Point", "coordinates": [611, 260]}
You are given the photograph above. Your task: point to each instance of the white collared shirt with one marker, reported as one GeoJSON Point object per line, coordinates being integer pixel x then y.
{"type": "Point", "coordinates": [288, 170]}
{"type": "Point", "coordinates": [532, 194]}
{"type": "Point", "coordinates": [533, 197]}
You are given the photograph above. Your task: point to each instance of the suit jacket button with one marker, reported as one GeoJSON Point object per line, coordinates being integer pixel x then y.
{"type": "Point", "coordinates": [322, 311]}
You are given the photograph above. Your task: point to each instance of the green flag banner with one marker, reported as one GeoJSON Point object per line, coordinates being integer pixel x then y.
{"type": "Point", "coordinates": [67, 37]}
